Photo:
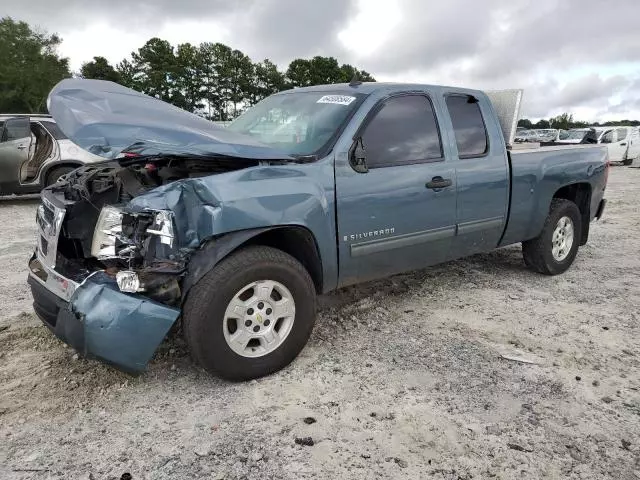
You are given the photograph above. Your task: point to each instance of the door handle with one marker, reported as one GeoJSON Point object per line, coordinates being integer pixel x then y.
{"type": "Point", "coordinates": [21, 147]}
{"type": "Point", "coordinates": [623, 144]}
{"type": "Point", "coordinates": [438, 182]}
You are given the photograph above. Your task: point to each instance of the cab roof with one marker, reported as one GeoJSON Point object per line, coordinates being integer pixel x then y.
{"type": "Point", "coordinates": [368, 88]}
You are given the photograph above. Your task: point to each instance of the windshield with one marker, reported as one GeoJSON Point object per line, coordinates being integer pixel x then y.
{"type": "Point", "coordinates": [298, 123]}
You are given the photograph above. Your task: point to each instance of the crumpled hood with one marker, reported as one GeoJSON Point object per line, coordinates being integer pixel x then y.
{"type": "Point", "coordinates": [106, 119]}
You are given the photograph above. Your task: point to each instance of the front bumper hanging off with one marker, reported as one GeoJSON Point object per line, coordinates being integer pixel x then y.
{"type": "Point", "coordinates": [98, 320]}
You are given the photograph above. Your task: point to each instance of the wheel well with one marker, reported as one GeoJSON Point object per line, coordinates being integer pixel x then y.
{"type": "Point", "coordinates": [580, 194]}
{"type": "Point", "coordinates": [297, 242]}
{"type": "Point", "coordinates": [55, 165]}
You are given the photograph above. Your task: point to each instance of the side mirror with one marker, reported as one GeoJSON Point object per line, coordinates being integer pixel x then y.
{"type": "Point", "coordinates": [358, 157]}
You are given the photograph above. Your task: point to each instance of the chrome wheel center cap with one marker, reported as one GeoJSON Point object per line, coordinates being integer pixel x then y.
{"type": "Point", "coordinates": [259, 318]}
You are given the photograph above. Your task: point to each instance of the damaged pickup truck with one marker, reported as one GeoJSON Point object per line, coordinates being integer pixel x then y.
{"type": "Point", "coordinates": [235, 230]}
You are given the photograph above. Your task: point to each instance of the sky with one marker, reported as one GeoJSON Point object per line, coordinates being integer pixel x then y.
{"type": "Point", "coordinates": [577, 56]}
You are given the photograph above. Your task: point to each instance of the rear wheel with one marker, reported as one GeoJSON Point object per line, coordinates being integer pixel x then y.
{"type": "Point", "coordinates": [54, 175]}
{"type": "Point", "coordinates": [251, 315]}
{"type": "Point", "coordinates": [555, 249]}
{"type": "Point", "coordinates": [627, 161]}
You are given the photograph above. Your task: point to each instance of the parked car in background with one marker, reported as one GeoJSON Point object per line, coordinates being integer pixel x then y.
{"type": "Point", "coordinates": [537, 135]}
{"type": "Point", "coordinates": [526, 136]}
{"type": "Point", "coordinates": [573, 136]}
{"type": "Point", "coordinates": [547, 134]}
{"type": "Point", "coordinates": [34, 153]}
{"type": "Point", "coordinates": [623, 143]}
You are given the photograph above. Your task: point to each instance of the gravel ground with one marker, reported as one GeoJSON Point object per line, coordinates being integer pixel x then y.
{"type": "Point", "coordinates": [402, 378]}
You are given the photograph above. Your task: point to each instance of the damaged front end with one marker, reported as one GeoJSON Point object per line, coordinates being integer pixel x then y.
{"type": "Point", "coordinates": [108, 270]}
{"type": "Point", "coordinates": [115, 239]}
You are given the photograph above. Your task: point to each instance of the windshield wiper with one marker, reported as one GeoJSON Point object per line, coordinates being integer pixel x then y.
{"type": "Point", "coordinates": [305, 158]}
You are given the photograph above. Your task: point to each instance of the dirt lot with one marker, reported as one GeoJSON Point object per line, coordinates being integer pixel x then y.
{"type": "Point", "coordinates": [403, 378]}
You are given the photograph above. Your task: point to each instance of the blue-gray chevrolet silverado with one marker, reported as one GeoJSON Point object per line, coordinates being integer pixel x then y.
{"type": "Point", "coordinates": [235, 230]}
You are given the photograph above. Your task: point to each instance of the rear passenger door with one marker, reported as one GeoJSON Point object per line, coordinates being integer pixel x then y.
{"type": "Point", "coordinates": [482, 173]}
{"type": "Point", "coordinates": [15, 144]}
{"type": "Point", "coordinates": [400, 214]}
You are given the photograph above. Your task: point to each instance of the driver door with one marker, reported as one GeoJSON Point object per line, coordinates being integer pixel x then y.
{"type": "Point", "coordinates": [15, 147]}
{"type": "Point", "coordinates": [400, 213]}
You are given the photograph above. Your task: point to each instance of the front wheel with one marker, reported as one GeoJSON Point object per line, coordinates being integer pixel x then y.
{"type": "Point", "coordinates": [251, 315]}
{"type": "Point", "coordinates": [555, 249]}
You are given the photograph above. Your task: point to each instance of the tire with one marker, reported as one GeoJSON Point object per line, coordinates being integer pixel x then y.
{"type": "Point", "coordinates": [206, 324]}
{"type": "Point", "coordinates": [538, 253]}
{"type": "Point", "coordinates": [627, 161]}
{"type": "Point", "coordinates": [56, 173]}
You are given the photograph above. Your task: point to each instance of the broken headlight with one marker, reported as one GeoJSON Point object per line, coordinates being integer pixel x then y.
{"type": "Point", "coordinates": [162, 226]}
{"type": "Point", "coordinates": [108, 228]}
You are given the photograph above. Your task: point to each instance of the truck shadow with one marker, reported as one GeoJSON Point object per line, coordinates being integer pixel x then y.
{"type": "Point", "coordinates": [483, 270]}
{"type": "Point", "coordinates": [479, 269]}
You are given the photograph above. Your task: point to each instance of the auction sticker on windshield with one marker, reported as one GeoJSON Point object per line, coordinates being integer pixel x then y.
{"type": "Point", "coordinates": [337, 99]}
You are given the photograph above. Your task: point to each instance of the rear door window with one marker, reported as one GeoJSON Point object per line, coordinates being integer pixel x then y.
{"type": "Point", "coordinates": [54, 130]}
{"type": "Point", "coordinates": [403, 131]}
{"type": "Point", "coordinates": [468, 126]}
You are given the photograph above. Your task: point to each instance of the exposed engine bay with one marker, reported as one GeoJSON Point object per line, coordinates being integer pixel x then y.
{"type": "Point", "coordinates": [139, 248]}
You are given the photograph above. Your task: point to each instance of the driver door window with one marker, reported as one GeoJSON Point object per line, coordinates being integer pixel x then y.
{"type": "Point", "coordinates": [404, 131]}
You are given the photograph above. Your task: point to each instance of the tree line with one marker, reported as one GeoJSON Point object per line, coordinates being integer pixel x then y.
{"type": "Point", "coordinates": [211, 79]}
{"type": "Point", "coordinates": [566, 121]}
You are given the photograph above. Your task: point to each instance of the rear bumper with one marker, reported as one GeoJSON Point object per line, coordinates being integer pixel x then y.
{"type": "Point", "coordinates": [600, 210]}
{"type": "Point", "coordinates": [98, 320]}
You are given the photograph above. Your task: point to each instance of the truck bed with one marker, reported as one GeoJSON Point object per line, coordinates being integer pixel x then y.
{"type": "Point", "coordinates": [537, 173]}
